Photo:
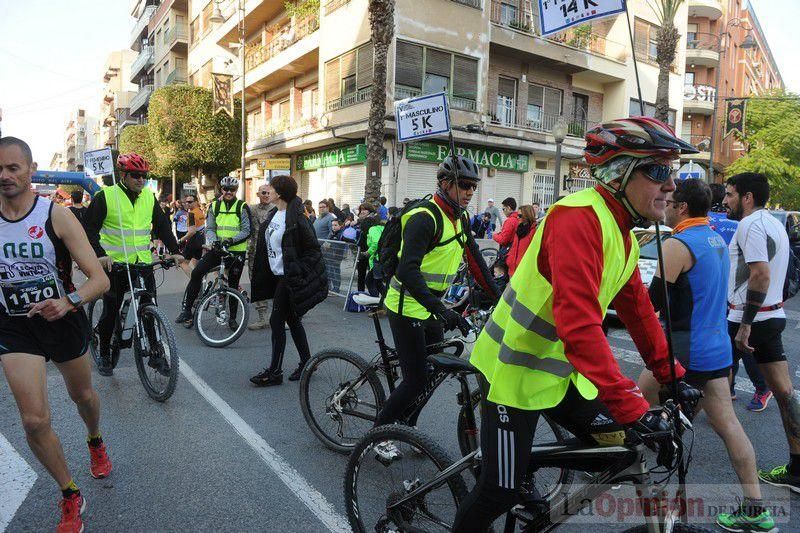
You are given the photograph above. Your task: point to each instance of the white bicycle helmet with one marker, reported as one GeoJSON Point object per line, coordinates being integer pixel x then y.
{"type": "Point", "coordinates": [229, 181]}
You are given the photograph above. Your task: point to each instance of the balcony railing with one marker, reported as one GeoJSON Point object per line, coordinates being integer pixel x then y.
{"type": "Point", "coordinates": [470, 3]}
{"type": "Point", "coordinates": [257, 55]}
{"type": "Point", "coordinates": [144, 19]}
{"type": "Point", "coordinates": [362, 95]}
{"type": "Point", "coordinates": [178, 75]}
{"type": "Point", "coordinates": [581, 37]}
{"type": "Point", "coordinates": [401, 92]}
{"type": "Point", "coordinates": [144, 60]}
{"type": "Point", "coordinates": [174, 35]}
{"type": "Point", "coordinates": [141, 97]}
{"type": "Point", "coordinates": [702, 41]}
{"type": "Point", "coordinates": [701, 142]}
{"type": "Point", "coordinates": [332, 5]}
{"type": "Point", "coordinates": [282, 126]}
{"type": "Point", "coordinates": [540, 122]}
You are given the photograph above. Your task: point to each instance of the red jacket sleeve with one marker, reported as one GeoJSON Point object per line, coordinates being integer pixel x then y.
{"type": "Point", "coordinates": [572, 259]}
{"type": "Point", "coordinates": [506, 235]}
{"type": "Point", "coordinates": [634, 308]}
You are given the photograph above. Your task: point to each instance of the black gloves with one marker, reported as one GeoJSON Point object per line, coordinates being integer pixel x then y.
{"type": "Point", "coordinates": [688, 397]}
{"type": "Point", "coordinates": [453, 320]}
{"type": "Point", "coordinates": [226, 243]}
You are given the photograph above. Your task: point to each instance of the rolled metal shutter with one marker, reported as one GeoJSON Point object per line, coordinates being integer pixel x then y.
{"type": "Point", "coordinates": [507, 184]}
{"type": "Point", "coordinates": [353, 180]}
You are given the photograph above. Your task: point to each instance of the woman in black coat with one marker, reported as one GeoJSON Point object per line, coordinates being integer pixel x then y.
{"type": "Point", "coordinates": [289, 268]}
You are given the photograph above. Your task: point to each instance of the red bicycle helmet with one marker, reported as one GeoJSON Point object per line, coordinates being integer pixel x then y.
{"type": "Point", "coordinates": [636, 137]}
{"type": "Point", "coordinates": [132, 163]}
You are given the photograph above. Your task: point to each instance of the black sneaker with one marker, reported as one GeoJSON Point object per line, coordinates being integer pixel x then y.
{"type": "Point", "coordinates": [781, 477]}
{"type": "Point", "coordinates": [160, 364]}
{"type": "Point", "coordinates": [233, 325]}
{"type": "Point", "coordinates": [104, 365]}
{"type": "Point", "coordinates": [296, 374]}
{"type": "Point", "coordinates": [183, 317]}
{"type": "Point", "coordinates": [267, 378]}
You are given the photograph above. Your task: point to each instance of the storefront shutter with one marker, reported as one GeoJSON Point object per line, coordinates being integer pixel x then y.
{"type": "Point", "coordinates": [420, 181]}
{"type": "Point", "coordinates": [507, 184]}
{"type": "Point", "coordinates": [353, 179]}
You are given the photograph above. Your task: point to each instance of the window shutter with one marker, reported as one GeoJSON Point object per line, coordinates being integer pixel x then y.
{"type": "Point", "coordinates": [408, 65]}
{"type": "Point", "coordinates": [536, 95]}
{"type": "Point", "coordinates": [465, 77]}
{"type": "Point", "coordinates": [348, 64]}
{"type": "Point", "coordinates": [332, 80]}
{"type": "Point", "coordinates": [506, 87]}
{"type": "Point", "coordinates": [641, 36]}
{"type": "Point", "coordinates": [438, 63]}
{"type": "Point", "coordinates": [364, 75]}
{"type": "Point", "coordinates": [552, 101]}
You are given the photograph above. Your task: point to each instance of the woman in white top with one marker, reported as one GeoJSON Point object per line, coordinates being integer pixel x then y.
{"type": "Point", "coordinates": [288, 268]}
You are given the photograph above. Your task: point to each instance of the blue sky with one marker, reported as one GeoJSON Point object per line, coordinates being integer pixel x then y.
{"type": "Point", "coordinates": [52, 55]}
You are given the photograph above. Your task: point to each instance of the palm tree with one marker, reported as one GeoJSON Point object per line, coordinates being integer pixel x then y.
{"type": "Point", "coordinates": [666, 47]}
{"type": "Point", "coordinates": [381, 19]}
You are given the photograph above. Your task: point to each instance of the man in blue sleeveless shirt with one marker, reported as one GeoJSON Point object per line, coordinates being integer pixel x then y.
{"type": "Point", "coordinates": [696, 265]}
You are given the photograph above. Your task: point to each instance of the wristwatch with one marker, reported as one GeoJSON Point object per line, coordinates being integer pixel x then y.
{"type": "Point", "coordinates": [75, 299]}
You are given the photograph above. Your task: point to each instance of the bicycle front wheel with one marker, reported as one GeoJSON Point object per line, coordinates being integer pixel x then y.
{"type": "Point", "coordinates": [156, 354]}
{"type": "Point", "coordinates": [340, 396]}
{"type": "Point", "coordinates": [389, 463]}
{"type": "Point", "coordinates": [221, 317]}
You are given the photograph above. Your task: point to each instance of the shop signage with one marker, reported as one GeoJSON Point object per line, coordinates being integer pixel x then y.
{"type": "Point", "coordinates": [335, 157]}
{"type": "Point", "coordinates": [699, 93]}
{"type": "Point", "coordinates": [275, 163]}
{"type": "Point", "coordinates": [436, 153]}
{"type": "Point", "coordinates": [579, 171]}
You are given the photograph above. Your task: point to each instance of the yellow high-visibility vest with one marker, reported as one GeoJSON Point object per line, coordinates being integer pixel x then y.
{"type": "Point", "coordinates": [137, 223]}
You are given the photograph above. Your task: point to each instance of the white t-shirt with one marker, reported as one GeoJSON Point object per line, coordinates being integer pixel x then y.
{"type": "Point", "coordinates": [760, 237]}
{"type": "Point", "coordinates": [274, 236]}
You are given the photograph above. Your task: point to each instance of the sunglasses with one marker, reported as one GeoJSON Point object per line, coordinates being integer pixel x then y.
{"type": "Point", "coordinates": [137, 175]}
{"type": "Point", "coordinates": [229, 189]}
{"type": "Point", "coordinates": [467, 185]}
{"type": "Point", "coordinates": [188, 201]}
{"type": "Point", "coordinates": [655, 172]}
{"type": "Point", "coordinates": [263, 193]}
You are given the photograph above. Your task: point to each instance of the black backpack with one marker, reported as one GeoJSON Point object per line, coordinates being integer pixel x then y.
{"type": "Point", "coordinates": [791, 285]}
{"type": "Point", "coordinates": [387, 260]}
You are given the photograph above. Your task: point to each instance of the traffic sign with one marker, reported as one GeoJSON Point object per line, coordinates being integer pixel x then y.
{"type": "Point", "coordinates": [98, 162]}
{"type": "Point", "coordinates": [691, 170]}
{"type": "Point", "coordinates": [423, 116]}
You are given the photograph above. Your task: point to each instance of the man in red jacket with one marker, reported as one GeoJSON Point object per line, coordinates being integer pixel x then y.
{"type": "Point", "coordinates": [505, 236]}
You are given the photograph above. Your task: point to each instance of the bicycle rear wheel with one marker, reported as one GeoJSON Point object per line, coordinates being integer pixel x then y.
{"type": "Point", "coordinates": [221, 317]}
{"type": "Point", "coordinates": [340, 395]}
{"type": "Point", "coordinates": [156, 354]}
{"type": "Point", "coordinates": [372, 483]}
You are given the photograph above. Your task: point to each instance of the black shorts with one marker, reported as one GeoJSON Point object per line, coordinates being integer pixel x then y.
{"type": "Point", "coordinates": [193, 248]}
{"type": "Point", "coordinates": [765, 338]}
{"type": "Point", "coordinates": [696, 378]}
{"type": "Point", "coordinates": [63, 340]}
{"type": "Point", "coordinates": [699, 378]}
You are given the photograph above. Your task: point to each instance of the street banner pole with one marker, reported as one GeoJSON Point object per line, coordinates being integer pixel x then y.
{"type": "Point", "coordinates": [635, 65]}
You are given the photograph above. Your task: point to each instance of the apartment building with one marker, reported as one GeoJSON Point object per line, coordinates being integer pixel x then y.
{"type": "Point", "coordinates": [308, 85]}
{"type": "Point", "coordinates": [118, 91]}
{"type": "Point", "coordinates": [716, 30]}
{"type": "Point", "coordinates": [142, 12]}
{"type": "Point", "coordinates": [57, 161]}
{"type": "Point", "coordinates": [78, 138]}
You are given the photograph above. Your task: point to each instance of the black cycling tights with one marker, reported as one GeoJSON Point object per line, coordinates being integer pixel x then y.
{"type": "Point", "coordinates": [411, 337]}
{"type": "Point", "coordinates": [506, 437]}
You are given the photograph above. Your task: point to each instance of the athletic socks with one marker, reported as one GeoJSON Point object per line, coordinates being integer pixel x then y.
{"type": "Point", "coordinates": [94, 440]}
{"type": "Point", "coordinates": [753, 507]}
{"type": "Point", "coordinates": [70, 489]}
{"type": "Point", "coordinates": [794, 464]}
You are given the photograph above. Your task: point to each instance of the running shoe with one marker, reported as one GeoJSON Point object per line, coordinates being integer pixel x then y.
{"type": "Point", "coordinates": [739, 520]}
{"type": "Point", "coordinates": [183, 317]}
{"type": "Point", "coordinates": [72, 508]}
{"type": "Point", "coordinates": [100, 462]}
{"type": "Point", "coordinates": [296, 374]}
{"type": "Point", "coordinates": [267, 378]}
{"type": "Point", "coordinates": [759, 401]}
{"type": "Point", "coordinates": [781, 477]}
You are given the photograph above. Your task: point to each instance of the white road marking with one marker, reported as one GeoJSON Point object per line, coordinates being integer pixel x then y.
{"type": "Point", "coordinates": [16, 480]}
{"type": "Point", "coordinates": [314, 500]}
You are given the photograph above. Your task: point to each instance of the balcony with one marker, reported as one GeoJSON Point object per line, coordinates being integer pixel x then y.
{"type": "Point", "coordinates": [176, 37]}
{"type": "Point", "coordinates": [471, 3]}
{"type": "Point", "coordinates": [280, 42]}
{"type": "Point", "coordinates": [281, 128]}
{"type": "Point", "coordinates": [702, 49]}
{"type": "Point", "coordinates": [401, 92]}
{"type": "Point", "coordinates": [178, 75]}
{"type": "Point", "coordinates": [362, 95]}
{"type": "Point", "coordinates": [124, 118]}
{"type": "Point", "coordinates": [698, 99]}
{"type": "Point", "coordinates": [141, 98]}
{"type": "Point", "coordinates": [702, 143]}
{"type": "Point", "coordinates": [581, 38]}
{"type": "Point", "coordinates": [711, 9]}
{"type": "Point", "coordinates": [142, 63]}
{"type": "Point", "coordinates": [332, 5]}
{"type": "Point", "coordinates": [540, 122]}
{"type": "Point", "coordinates": [141, 25]}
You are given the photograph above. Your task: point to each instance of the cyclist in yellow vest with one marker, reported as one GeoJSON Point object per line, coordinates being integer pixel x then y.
{"type": "Point", "coordinates": [543, 350]}
{"type": "Point", "coordinates": [435, 237]}
{"type": "Point", "coordinates": [228, 227]}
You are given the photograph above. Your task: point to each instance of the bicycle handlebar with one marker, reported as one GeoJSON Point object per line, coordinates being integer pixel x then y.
{"type": "Point", "coordinates": [163, 263]}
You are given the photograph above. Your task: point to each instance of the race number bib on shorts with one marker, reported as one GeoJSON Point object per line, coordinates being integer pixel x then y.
{"type": "Point", "coordinates": [20, 295]}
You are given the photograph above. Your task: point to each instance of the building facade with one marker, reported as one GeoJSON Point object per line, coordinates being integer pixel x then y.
{"type": "Point", "coordinates": [114, 113]}
{"type": "Point", "coordinates": [78, 138]}
{"type": "Point", "coordinates": [719, 67]}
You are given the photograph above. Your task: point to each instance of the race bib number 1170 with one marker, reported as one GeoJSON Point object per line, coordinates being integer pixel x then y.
{"type": "Point", "coordinates": [19, 296]}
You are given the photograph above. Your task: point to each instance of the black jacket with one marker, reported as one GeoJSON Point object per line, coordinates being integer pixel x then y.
{"type": "Point", "coordinates": [303, 265]}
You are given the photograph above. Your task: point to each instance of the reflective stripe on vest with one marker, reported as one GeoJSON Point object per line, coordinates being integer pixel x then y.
{"type": "Point", "coordinates": [229, 223]}
{"type": "Point", "coordinates": [519, 351]}
{"type": "Point", "coordinates": [438, 268]}
{"type": "Point", "coordinates": [137, 220]}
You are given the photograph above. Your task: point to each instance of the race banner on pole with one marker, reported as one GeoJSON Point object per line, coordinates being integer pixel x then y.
{"type": "Point", "coordinates": [223, 93]}
{"type": "Point", "coordinates": [734, 117]}
{"type": "Point", "coordinates": [558, 15]}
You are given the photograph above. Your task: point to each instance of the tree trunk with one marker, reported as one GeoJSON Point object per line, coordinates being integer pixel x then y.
{"type": "Point", "coordinates": [666, 47]}
{"type": "Point", "coordinates": [381, 18]}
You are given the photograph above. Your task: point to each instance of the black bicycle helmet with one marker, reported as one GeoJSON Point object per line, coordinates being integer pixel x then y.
{"type": "Point", "coordinates": [467, 169]}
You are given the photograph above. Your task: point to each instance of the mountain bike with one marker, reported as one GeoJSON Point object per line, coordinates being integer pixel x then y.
{"type": "Point", "coordinates": [419, 488]}
{"type": "Point", "coordinates": [222, 311]}
{"type": "Point", "coordinates": [152, 338]}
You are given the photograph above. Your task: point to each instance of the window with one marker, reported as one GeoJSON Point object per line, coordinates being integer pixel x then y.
{"type": "Point", "coordinates": [194, 31]}
{"type": "Point", "coordinates": [688, 78]}
{"type": "Point", "coordinates": [309, 106]}
{"type": "Point", "coordinates": [686, 131]}
{"type": "Point", "coordinates": [645, 40]}
{"type": "Point", "coordinates": [544, 107]}
{"type": "Point", "coordinates": [506, 101]}
{"type": "Point", "coordinates": [691, 34]}
{"type": "Point", "coordinates": [206, 17]}
{"type": "Point", "coordinates": [508, 14]}
{"type": "Point", "coordinates": [423, 70]}
{"type": "Point", "coordinates": [348, 77]}
{"type": "Point", "coordinates": [649, 111]}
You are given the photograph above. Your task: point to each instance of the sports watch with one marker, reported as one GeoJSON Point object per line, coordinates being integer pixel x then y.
{"type": "Point", "coordinates": [75, 299]}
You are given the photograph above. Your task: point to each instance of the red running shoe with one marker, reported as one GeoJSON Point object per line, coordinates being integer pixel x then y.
{"type": "Point", "coordinates": [71, 510]}
{"type": "Point", "coordinates": [101, 463]}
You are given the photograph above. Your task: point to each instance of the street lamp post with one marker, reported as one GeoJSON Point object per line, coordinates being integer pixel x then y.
{"type": "Point", "coordinates": [559, 133]}
{"type": "Point", "coordinates": [748, 43]}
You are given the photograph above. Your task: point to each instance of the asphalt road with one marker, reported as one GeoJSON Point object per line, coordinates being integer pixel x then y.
{"type": "Point", "coordinates": [222, 455]}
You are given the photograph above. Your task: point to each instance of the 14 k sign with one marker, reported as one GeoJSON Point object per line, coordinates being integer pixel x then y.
{"type": "Point", "coordinates": [423, 116]}
{"type": "Point", "coordinates": [558, 15]}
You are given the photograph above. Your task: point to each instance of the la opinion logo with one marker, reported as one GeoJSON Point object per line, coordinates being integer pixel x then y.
{"type": "Point", "coordinates": [35, 232]}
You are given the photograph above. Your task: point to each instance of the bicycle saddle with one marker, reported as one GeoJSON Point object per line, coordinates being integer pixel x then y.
{"type": "Point", "coordinates": [450, 363]}
{"type": "Point", "coordinates": [366, 300]}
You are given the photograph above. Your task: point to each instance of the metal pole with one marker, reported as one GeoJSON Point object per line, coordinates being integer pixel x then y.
{"type": "Point", "coordinates": [633, 57]}
{"type": "Point", "coordinates": [557, 170]}
{"type": "Point", "coordinates": [714, 109]}
{"type": "Point", "coordinates": [242, 51]}
{"type": "Point", "coordinates": [174, 191]}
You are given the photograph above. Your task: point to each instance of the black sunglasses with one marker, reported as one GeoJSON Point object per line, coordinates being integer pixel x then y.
{"type": "Point", "coordinates": [467, 185]}
{"type": "Point", "coordinates": [229, 189]}
{"type": "Point", "coordinates": [655, 172]}
{"type": "Point", "coordinates": [263, 193]}
{"type": "Point", "coordinates": [137, 175]}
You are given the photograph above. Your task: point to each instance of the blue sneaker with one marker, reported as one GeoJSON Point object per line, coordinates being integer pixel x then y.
{"type": "Point", "coordinates": [759, 401]}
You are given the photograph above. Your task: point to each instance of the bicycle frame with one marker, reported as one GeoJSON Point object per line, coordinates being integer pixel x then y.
{"type": "Point", "coordinates": [142, 296]}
